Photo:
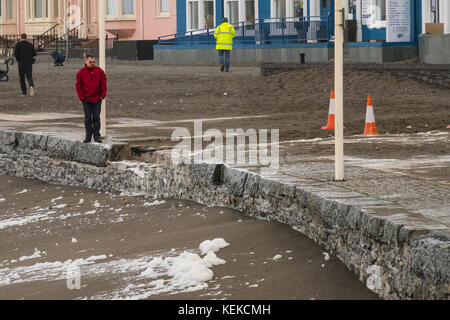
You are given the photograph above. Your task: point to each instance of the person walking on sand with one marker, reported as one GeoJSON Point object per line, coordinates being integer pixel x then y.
{"type": "Point", "coordinates": [24, 53]}
{"type": "Point", "coordinates": [91, 90]}
{"type": "Point", "coordinates": [224, 35]}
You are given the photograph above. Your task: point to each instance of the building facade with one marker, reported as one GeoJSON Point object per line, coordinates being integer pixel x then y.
{"type": "Point", "coordinates": [375, 20]}
{"type": "Point", "coordinates": [129, 19]}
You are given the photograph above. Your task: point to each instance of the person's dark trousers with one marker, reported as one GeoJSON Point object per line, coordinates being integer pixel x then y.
{"type": "Point", "coordinates": [25, 70]}
{"type": "Point", "coordinates": [224, 58]}
{"type": "Point", "coordinates": [92, 119]}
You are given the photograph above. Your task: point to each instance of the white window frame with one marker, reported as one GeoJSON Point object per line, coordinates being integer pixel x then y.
{"type": "Point", "coordinates": [13, 16]}
{"type": "Point", "coordinates": [30, 11]}
{"type": "Point", "coordinates": [120, 15]}
{"type": "Point", "coordinates": [443, 12]}
{"type": "Point", "coordinates": [159, 13]}
{"type": "Point", "coordinates": [201, 16]}
{"type": "Point", "coordinates": [241, 10]}
{"type": "Point", "coordinates": [378, 24]}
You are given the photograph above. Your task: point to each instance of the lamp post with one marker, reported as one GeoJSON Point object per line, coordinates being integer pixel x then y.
{"type": "Point", "coordinates": [102, 58]}
{"type": "Point", "coordinates": [67, 28]}
{"type": "Point", "coordinates": [339, 89]}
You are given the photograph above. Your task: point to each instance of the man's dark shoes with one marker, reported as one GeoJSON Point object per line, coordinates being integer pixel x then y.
{"type": "Point", "coordinates": [98, 140]}
{"type": "Point", "coordinates": [86, 140]}
{"type": "Point", "coordinates": [222, 67]}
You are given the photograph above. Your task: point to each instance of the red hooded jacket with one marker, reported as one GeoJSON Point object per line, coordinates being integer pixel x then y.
{"type": "Point", "coordinates": [91, 84]}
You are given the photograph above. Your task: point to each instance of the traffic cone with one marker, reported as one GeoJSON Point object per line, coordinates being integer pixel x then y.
{"type": "Point", "coordinates": [448, 127]}
{"type": "Point", "coordinates": [370, 128]}
{"type": "Point", "coordinates": [330, 124]}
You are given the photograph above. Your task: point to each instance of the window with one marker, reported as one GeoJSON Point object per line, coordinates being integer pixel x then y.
{"type": "Point", "coordinates": [119, 9]}
{"type": "Point", "coordinates": [127, 6]}
{"type": "Point", "coordinates": [56, 8]}
{"type": "Point", "coordinates": [38, 8]}
{"type": "Point", "coordinates": [9, 9]}
{"type": "Point", "coordinates": [209, 14]}
{"type": "Point", "coordinates": [111, 8]}
{"type": "Point", "coordinates": [298, 8]}
{"type": "Point", "coordinates": [280, 8]}
{"type": "Point", "coordinates": [250, 11]}
{"type": "Point", "coordinates": [381, 10]}
{"type": "Point", "coordinates": [201, 14]}
{"type": "Point", "coordinates": [233, 12]}
{"type": "Point", "coordinates": [193, 14]}
{"type": "Point", "coordinates": [435, 11]}
{"type": "Point", "coordinates": [164, 6]}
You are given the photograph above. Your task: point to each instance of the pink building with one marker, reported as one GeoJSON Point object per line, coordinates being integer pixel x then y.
{"type": "Point", "coordinates": [130, 19]}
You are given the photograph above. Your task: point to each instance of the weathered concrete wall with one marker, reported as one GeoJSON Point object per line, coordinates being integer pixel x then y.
{"type": "Point", "coordinates": [385, 54]}
{"type": "Point", "coordinates": [366, 54]}
{"type": "Point", "coordinates": [434, 49]}
{"type": "Point", "coordinates": [209, 56]}
{"type": "Point", "coordinates": [399, 261]}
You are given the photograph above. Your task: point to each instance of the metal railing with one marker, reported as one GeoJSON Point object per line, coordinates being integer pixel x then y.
{"type": "Point", "coordinates": [43, 40]}
{"type": "Point", "coordinates": [59, 42]}
{"type": "Point", "coordinates": [263, 31]}
{"type": "Point", "coordinates": [9, 41]}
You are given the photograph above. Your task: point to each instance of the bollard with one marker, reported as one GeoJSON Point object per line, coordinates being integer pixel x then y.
{"type": "Point", "coordinates": [302, 58]}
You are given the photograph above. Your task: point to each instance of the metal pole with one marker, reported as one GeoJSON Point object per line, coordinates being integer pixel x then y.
{"type": "Point", "coordinates": [102, 58]}
{"type": "Point", "coordinates": [67, 28]}
{"type": "Point", "coordinates": [339, 89]}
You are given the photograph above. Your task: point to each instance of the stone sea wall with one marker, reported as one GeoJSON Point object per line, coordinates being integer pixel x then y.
{"type": "Point", "coordinates": [393, 259]}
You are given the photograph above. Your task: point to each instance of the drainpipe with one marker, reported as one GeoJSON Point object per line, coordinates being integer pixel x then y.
{"type": "Point", "coordinates": [18, 17]}
{"type": "Point", "coordinates": [142, 19]}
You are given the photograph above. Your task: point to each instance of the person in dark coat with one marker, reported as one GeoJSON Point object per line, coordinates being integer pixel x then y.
{"type": "Point", "coordinates": [25, 53]}
{"type": "Point", "coordinates": [91, 90]}
{"type": "Point", "coordinates": [58, 58]}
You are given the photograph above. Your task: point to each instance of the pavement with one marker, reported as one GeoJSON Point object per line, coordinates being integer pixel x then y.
{"type": "Point", "coordinates": [403, 176]}
{"type": "Point", "coordinates": [417, 184]}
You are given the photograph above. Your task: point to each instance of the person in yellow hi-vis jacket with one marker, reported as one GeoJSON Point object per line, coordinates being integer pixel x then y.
{"type": "Point", "coordinates": [224, 35]}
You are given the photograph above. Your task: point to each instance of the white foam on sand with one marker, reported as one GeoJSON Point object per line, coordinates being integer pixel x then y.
{"type": "Point", "coordinates": [12, 222]}
{"type": "Point", "coordinates": [172, 272]}
{"type": "Point", "coordinates": [154, 203]}
{"type": "Point", "coordinates": [55, 199]}
{"type": "Point", "coordinates": [36, 254]}
{"type": "Point", "coordinates": [139, 277]}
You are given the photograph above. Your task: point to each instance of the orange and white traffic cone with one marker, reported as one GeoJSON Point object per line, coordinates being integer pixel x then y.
{"type": "Point", "coordinates": [448, 127]}
{"type": "Point", "coordinates": [330, 124]}
{"type": "Point", "coordinates": [370, 128]}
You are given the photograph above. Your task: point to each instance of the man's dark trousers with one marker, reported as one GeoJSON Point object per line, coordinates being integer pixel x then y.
{"type": "Point", "coordinates": [92, 119]}
{"type": "Point", "coordinates": [25, 70]}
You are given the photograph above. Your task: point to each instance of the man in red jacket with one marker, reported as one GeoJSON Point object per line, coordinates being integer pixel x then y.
{"type": "Point", "coordinates": [91, 89]}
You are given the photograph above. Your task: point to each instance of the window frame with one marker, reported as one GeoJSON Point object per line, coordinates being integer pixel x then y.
{"type": "Point", "coordinates": [200, 12]}
{"type": "Point", "coordinates": [159, 13]}
{"type": "Point", "coordinates": [120, 15]}
{"type": "Point", "coordinates": [30, 11]}
{"type": "Point", "coordinates": [13, 11]}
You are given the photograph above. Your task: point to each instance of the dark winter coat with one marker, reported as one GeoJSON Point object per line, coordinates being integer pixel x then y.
{"type": "Point", "coordinates": [24, 52]}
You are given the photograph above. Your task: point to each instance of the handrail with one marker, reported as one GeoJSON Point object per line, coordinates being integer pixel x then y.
{"type": "Point", "coordinates": [43, 40]}
{"type": "Point", "coordinates": [263, 31]}
{"type": "Point", "coordinates": [256, 21]}
{"type": "Point", "coordinates": [69, 32]}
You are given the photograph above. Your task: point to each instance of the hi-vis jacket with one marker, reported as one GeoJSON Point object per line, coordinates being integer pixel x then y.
{"type": "Point", "coordinates": [224, 35]}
